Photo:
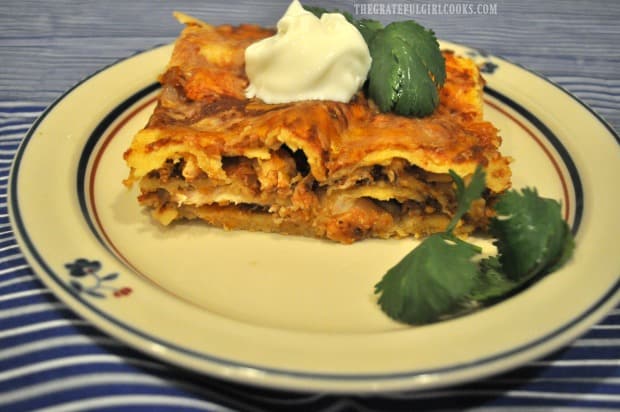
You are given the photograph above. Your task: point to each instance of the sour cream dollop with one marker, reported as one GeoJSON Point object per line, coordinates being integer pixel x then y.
{"type": "Point", "coordinates": [308, 59]}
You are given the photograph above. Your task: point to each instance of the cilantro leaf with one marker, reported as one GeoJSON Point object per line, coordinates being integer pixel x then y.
{"type": "Point", "coordinates": [369, 28]}
{"type": "Point", "coordinates": [433, 280]}
{"type": "Point", "coordinates": [492, 284]}
{"type": "Point", "coordinates": [568, 246]}
{"type": "Point", "coordinates": [466, 195]}
{"type": "Point", "coordinates": [407, 69]}
{"type": "Point", "coordinates": [531, 234]}
{"type": "Point", "coordinates": [553, 245]}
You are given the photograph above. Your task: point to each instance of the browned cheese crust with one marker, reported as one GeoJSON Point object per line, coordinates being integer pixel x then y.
{"type": "Point", "coordinates": [341, 171]}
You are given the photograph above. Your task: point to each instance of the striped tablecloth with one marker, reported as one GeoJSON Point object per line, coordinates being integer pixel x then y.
{"type": "Point", "coordinates": [51, 359]}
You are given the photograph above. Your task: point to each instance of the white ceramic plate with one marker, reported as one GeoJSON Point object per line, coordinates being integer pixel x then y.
{"type": "Point", "coordinates": [290, 312]}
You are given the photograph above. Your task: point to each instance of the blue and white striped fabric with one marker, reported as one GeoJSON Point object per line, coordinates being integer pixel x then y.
{"type": "Point", "coordinates": [52, 360]}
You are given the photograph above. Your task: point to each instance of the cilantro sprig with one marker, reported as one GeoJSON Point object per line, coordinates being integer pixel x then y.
{"type": "Point", "coordinates": [407, 69]}
{"type": "Point", "coordinates": [447, 276]}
